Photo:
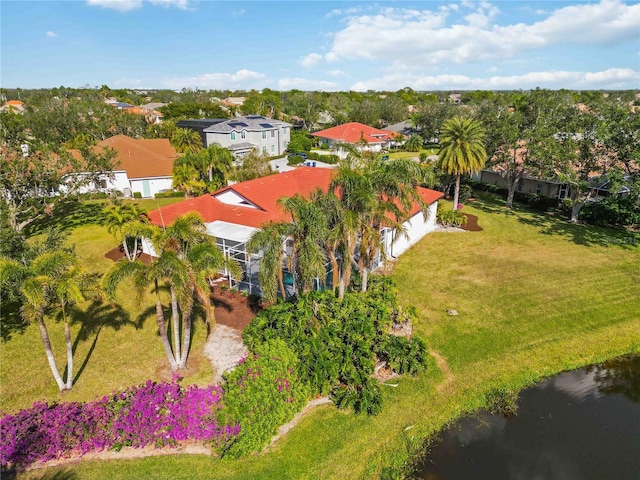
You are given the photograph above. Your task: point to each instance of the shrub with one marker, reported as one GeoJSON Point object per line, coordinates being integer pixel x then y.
{"type": "Point", "coordinates": [450, 218]}
{"type": "Point", "coordinates": [336, 341]}
{"type": "Point", "coordinates": [540, 202]}
{"type": "Point", "coordinates": [612, 211]}
{"type": "Point", "coordinates": [159, 414]}
{"type": "Point", "coordinates": [404, 355]}
{"type": "Point", "coordinates": [502, 401]}
{"type": "Point", "coordinates": [262, 393]}
{"type": "Point", "coordinates": [465, 193]}
{"type": "Point", "coordinates": [295, 159]}
{"type": "Point", "coordinates": [169, 194]}
{"type": "Point", "coordinates": [137, 194]}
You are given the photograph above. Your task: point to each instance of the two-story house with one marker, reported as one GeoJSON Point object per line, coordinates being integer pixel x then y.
{"type": "Point", "coordinates": [243, 134]}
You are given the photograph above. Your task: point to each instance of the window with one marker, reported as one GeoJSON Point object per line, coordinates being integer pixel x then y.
{"type": "Point", "coordinates": [273, 149]}
{"type": "Point", "coordinates": [233, 135]}
{"type": "Point", "coordinates": [284, 129]}
{"type": "Point", "coordinates": [101, 183]}
{"type": "Point", "coordinates": [243, 134]}
{"type": "Point", "coordinates": [538, 188]}
{"type": "Point", "coordinates": [264, 149]}
{"type": "Point", "coordinates": [273, 133]}
{"type": "Point", "coordinates": [264, 135]}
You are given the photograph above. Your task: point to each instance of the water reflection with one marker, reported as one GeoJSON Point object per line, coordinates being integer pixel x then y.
{"type": "Point", "coordinates": [580, 425]}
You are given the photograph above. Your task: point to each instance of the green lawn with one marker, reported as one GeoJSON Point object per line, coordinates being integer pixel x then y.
{"type": "Point", "coordinates": [535, 296]}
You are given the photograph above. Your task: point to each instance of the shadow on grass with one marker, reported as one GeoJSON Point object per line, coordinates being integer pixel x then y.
{"type": "Point", "coordinates": [68, 214]}
{"type": "Point", "coordinates": [92, 321]}
{"type": "Point", "coordinates": [11, 321]}
{"type": "Point", "coordinates": [585, 235]}
{"type": "Point", "coordinates": [12, 473]}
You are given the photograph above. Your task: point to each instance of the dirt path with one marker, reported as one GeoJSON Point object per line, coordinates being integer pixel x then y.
{"type": "Point", "coordinates": [224, 348]}
{"type": "Point", "coordinates": [284, 429]}
{"type": "Point", "coordinates": [446, 371]}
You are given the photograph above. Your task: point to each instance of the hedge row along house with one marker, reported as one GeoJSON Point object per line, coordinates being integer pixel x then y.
{"type": "Point", "coordinates": [234, 213]}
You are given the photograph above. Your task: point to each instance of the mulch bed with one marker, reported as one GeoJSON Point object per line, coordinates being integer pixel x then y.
{"type": "Point", "coordinates": [230, 309]}
{"type": "Point", "coordinates": [233, 310]}
{"type": "Point", "coordinates": [472, 223]}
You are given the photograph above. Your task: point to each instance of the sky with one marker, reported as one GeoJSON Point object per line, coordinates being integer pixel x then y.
{"type": "Point", "coordinates": [320, 45]}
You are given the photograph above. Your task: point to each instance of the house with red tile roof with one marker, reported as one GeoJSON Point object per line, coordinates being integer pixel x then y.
{"type": "Point", "coordinates": [234, 213]}
{"type": "Point", "coordinates": [13, 106]}
{"type": "Point", "coordinates": [354, 133]}
{"type": "Point", "coordinates": [141, 165]}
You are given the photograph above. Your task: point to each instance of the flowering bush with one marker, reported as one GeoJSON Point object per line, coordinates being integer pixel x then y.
{"type": "Point", "coordinates": [262, 393]}
{"type": "Point", "coordinates": [159, 414]}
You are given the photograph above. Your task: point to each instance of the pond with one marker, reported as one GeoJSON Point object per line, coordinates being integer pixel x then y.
{"type": "Point", "coordinates": [579, 425]}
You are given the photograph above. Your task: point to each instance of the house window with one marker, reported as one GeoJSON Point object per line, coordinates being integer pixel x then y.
{"type": "Point", "coordinates": [243, 134]}
{"type": "Point", "coordinates": [264, 135]}
{"type": "Point", "coordinates": [273, 149]}
{"type": "Point", "coordinates": [273, 133]}
{"type": "Point", "coordinates": [233, 135]}
{"type": "Point", "coordinates": [563, 191]}
{"type": "Point", "coordinates": [264, 149]}
{"type": "Point", "coordinates": [284, 129]}
{"type": "Point", "coordinates": [520, 185]}
{"type": "Point", "coordinates": [538, 189]}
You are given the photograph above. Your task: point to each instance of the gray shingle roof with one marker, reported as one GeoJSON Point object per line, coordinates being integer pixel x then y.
{"type": "Point", "coordinates": [255, 123]}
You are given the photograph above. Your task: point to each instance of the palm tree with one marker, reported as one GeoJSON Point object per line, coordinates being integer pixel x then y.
{"type": "Point", "coordinates": [187, 178]}
{"type": "Point", "coordinates": [185, 140]}
{"type": "Point", "coordinates": [306, 231]}
{"type": "Point", "coordinates": [187, 261]}
{"type": "Point", "coordinates": [414, 143]}
{"type": "Point", "coordinates": [382, 194]}
{"type": "Point", "coordinates": [116, 219]}
{"type": "Point", "coordinates": [270, 241]}
{"type": "Point", "coordinates": [461, 149]}
{"type": "Point", "coordinates": [215, 162]}
{"type": "Point", "coordinates": [53, 281]}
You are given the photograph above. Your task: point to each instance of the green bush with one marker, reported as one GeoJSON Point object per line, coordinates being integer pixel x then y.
{"type": "Point", "coordinates": [261, 394]}
{"type": "Point", "coordinates": [170, 194]}
{"type": "Point", "coordinates": [404, 355]}
{"type": "Point", "coordinates": [450, 218]}
{"type": "Point", "coordinates": [466, 192]}
{"type": "Point", "coordinates": [337, 341]}
{"type": "Point", "coordinates": [137, 194]}
{"type": "Point", "coordinates": [612, 211]}
{"type": "Point", "coordinates": [540, 202]}
{"type": "Point", "coordinates": [295, 159]}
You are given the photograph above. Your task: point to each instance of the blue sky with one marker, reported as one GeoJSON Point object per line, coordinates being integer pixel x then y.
{"type": "Point", "coordinates": [320, 45]}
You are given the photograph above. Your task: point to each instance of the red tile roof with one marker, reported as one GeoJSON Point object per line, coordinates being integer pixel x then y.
{"type": "Point", "coordinates": [354, 132]}
{"type": "Point", "coordinates": [263, 193]}
{"type": "Point", "coordinates": [140, 158]}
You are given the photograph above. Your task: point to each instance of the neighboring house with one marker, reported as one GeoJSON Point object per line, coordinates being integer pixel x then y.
{"type": "Point", "coordinates": [200, 125]}
{"type": "Point", "coordinates": [233, 101]}
{"type": "Point", "coordinates": [234, 213]}
{"type": "Point", "coordinates": [354, 133]}
{"type": "Point", "coordinates": [527, 185]}
{"type": "Point", "coordinates": [13, 106]}
{"type": "Point", "coordinates": [144, 166]}
{"type": "Point", "coordinates": [243, 134]}
{"type": "Point", "coordinates": [405, 128]}
{"type": "Point", "coordinates": [149, 114]}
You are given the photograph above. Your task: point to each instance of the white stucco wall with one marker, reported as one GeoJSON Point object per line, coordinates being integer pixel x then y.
{"type": "Point", "coordinates": [155, 185]}
{"type": "Point", "coordinates": [416, 228]}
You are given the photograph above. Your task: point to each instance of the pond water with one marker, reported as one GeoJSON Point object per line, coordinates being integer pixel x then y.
{"type": "Point", "coordinates": [578, 425]}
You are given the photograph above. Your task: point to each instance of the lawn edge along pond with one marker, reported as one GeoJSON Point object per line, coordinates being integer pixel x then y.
{"type": "Point", "coordinates": [535, 296]}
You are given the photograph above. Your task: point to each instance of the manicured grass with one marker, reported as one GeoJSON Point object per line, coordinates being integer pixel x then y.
{"type": "Point", "coordinates": [535, 296]}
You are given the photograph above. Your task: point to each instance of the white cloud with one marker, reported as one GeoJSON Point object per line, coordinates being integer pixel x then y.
{"type": "Point", "coordinates": [305, 84]}
{"type": "Point", "coordinates": [238, 13]}
{"type": "Point", "coordinates": [336, 73]}
{"type": "Point", "coordinates": [241, 79]}
{"type": "Point", "coordinates": [181, 4]}
{"type": "Point", "coordinates": [128, 5]}
{"type": "Point", "coordinates": [613, 78]}
{"type": "Point", "coordinates": [311, 60]}
{"type": "Point", "coordinates": [51, 34]}
{"type": "Point", "coordinates": [426, 37]}
{"type": "Point", "coordinates": [120, 5]}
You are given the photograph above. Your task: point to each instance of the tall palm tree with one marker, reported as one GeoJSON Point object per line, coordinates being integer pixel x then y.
{"type": "Point", "coordinates": [462, 149]}
{"type": "Point", "coordinates": [185, 140]}
{"type": "Point", "coordinates": [270, 241]}
{"type": "Point", "coordinates": [187, 261]}
{"type": "Point", "coordinates": [51, 283]}
{"type": "Point", "coordinates": [306, 231]}
{"type": "Point", "coordinates": [382, 194]}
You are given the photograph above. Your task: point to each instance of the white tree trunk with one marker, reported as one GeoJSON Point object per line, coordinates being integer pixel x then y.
{"type": "Point", "coordinates": [49, 352]}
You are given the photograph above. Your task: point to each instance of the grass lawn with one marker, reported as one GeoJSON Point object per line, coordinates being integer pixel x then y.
{"type": "Point", "coordinates": [535, 296]}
